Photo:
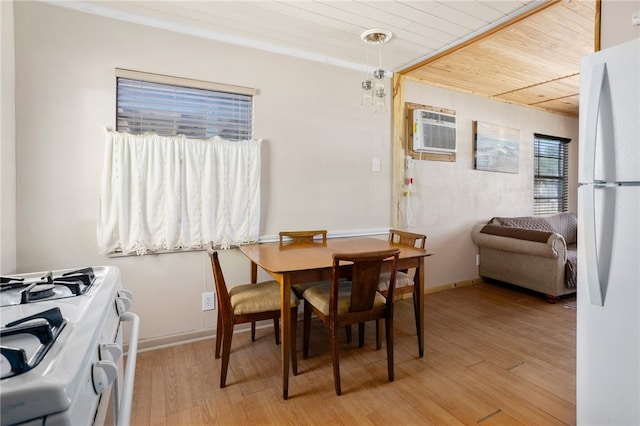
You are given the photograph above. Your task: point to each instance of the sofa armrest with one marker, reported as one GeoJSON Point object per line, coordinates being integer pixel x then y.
{"type": "Point", "coordinates": [553, 247]}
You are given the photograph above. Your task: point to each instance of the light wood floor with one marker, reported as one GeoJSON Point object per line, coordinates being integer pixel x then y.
{"type": "Point", "coordinates": [493, 356]}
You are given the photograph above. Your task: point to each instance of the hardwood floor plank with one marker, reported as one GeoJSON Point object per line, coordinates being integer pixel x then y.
{"type": "Point", "coordinates": [555, 380]}
{"type": "Point", "coordinates": [452, 394]}
{"type": "Point", "coordinates": [499, 418]}
{"type": "Point", "coordinates": [429, 411]}
{"type": "Point", "coordinates": [516, 393]}
{"type": "Point", "coordinates": [159, 388]}
{"type": "Point", "coordinates": [494, 355]}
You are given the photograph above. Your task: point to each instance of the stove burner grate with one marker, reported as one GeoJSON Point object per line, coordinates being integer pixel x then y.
{"type": "Point", "coordinates": [40, 291]}
{"type": "Point", "coordinates": [17, 290]}
{"type": "Point", "coordinates": [46, 331]}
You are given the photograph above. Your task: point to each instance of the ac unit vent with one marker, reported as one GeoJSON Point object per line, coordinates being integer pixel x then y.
{"type": "Point", "coordinates": [434, 131]}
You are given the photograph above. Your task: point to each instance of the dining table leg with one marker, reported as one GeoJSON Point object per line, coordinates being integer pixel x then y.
{"type": "Point", "coordinates": [285, 333]}
{"type": "Point", "coordinates": [254, 280]}
{"type": "Point", "coordinates": [420, 273]}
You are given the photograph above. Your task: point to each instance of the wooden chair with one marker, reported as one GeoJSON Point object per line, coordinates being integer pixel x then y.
{"type": "Point", "coordinates": [302, 236]}
{"type": "Point", "coordinates": [404, 282]}
{"type": "Point", "coordinates": [246, 303]}
{"type": "Point", "coordinates": [294, 238]}
{"type": "Point", "coordinates": [342, 303]}
{"type": "Point", "coordinates": [287, 239]}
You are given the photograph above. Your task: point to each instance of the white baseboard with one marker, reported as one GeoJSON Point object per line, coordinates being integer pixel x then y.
{"type": "Point", "coordinates": [452, 285]}
{"type": "Point", "coordinates": [147, 345]}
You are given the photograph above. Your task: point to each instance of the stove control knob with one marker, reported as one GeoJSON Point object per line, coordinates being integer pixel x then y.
{"type": "Point", "coordinates": [125, 293]}
{"type": "Point", "coordinates": [123, 305]}
{"type": "Point", "coordinates": [110, 352]}
{"type": "Point", "coordinates": [104, 373]}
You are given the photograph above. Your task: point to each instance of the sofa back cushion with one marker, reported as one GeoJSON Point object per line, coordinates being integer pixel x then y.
{"type": "Point", "coordinates": [565, 224]}
{"type": "Point", "coordinates": [518, 233]}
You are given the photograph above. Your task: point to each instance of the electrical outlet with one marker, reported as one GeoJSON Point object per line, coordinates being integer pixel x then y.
{"type": "Point", "coordinates": [208, 301]}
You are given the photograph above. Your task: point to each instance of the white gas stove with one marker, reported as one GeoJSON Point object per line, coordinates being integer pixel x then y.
{"type": "Point", "coordinates": [61, 343]}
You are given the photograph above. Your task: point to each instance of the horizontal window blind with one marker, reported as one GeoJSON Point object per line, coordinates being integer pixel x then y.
{"type": "Point", "coordinates": [551, 169]}
{"type": "Point", "coordinates": [150, 104]}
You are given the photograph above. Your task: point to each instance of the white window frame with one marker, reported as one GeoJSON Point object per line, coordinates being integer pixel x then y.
{"type": "Point", "coordinates": [167, 193]}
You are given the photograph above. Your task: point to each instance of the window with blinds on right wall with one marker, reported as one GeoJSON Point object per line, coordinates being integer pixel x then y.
{"type": "Point", "coordinates": [551, 172]}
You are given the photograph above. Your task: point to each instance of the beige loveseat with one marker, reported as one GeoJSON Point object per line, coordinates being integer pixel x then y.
{"type": "Point", "coordinates": [534, 252]}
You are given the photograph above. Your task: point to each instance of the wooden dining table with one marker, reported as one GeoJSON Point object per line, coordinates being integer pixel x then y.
{"type": "Point", "coordinates": [307, 262]}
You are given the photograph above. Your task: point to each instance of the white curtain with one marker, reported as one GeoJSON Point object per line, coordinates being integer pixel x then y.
{"type": "Point", "coordinates": [170, 192]}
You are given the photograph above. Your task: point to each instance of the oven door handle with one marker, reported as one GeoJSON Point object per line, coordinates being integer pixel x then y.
{"type": "Point", "coordinates": [123, 415]}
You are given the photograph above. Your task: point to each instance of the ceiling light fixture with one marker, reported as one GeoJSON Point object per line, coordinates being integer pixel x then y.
{"type": "Point", "coordinates": [374, 91]}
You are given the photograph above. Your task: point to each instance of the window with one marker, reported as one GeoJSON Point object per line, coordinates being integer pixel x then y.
{"type": "Point", "coordinates": [551, 167]}
{"type": "Point", "coordinates": [181, 169]}
{"type": "Point", "coordinates": [172, 106]}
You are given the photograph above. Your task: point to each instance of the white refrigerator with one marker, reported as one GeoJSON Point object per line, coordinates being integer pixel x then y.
{"type": "Point", "coordinates": [608, 307]}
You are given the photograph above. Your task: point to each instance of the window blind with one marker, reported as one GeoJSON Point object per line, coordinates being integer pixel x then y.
{"type": "Point", "coordinates": [551, 169]}
{"type": "Point", "coordinates": [168, 106]}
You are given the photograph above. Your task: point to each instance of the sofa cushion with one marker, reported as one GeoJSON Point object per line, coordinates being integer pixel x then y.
{"type": "Point", "coordinates": [519, 233]}
{"type": "Point", "coordinates": [564, 224]}
{"type": "Point", "coordinates": [536, 223]}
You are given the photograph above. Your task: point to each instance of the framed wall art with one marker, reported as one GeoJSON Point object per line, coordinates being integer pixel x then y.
{"type": "Point", "coordinates": [497, 148]}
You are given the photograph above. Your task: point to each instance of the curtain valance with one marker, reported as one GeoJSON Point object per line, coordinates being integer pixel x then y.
{"type": "Point", "coordinates": [171, 192]}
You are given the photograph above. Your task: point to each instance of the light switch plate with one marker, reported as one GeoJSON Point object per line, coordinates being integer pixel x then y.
{"type": "Point", "coordinates": [375, 165]}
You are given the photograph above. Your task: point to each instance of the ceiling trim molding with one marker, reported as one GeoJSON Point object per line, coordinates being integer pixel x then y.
{"type": "Point", "coordinates": [107, 12]}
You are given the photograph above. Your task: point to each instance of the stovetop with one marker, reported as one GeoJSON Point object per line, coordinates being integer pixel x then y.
{"type": "Point", "coordinates": [47, 344]}
{"type": "Point", "coordinates": [39, 286]}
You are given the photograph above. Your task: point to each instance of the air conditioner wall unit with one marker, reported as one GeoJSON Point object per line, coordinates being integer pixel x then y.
{"type": "Point", "coordinates": [434, 131]}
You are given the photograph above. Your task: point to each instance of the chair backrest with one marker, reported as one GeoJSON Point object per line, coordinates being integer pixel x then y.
{"type": "Point", "coordinates": [407, 238]}
{"type": "Point", "coordinates": [302, 236]}
{"type": "Point", "coordinates": [364, 276]}
{"type": "Point", "coordinates": [222, 294]}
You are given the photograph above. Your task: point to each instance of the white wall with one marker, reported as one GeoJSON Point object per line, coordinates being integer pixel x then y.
{"type": "Point", "coordinates": [316, 157]}
{"type": "Point", "coordinates": [7, 142]}
{"type": "Point", "coordinates": [448, 198]}
{"type": "Point", "coordinates": [616, 25]}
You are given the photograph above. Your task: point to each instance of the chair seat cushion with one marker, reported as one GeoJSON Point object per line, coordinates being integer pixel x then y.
{"type": "Point", "coordinates": [260, 297]}
{"type": "Point", "coordinates": [319, 295]}
{"type": "Point", "coordinates": [300, 288]}
{"type": "Point", "coordinates": [402, 280]}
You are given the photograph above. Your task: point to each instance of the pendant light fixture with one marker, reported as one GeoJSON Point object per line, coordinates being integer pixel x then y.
{"type": "Point", "coordinates": [374, 87]}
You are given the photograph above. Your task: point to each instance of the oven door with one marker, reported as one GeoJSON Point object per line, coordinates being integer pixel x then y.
{"type": "Point", "coordinates": [110, 382]}
{"type": "Point", "coordinates": [116, 400]}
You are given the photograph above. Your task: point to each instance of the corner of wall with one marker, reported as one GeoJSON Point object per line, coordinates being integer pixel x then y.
{"type": "Point", "coordinates": [8, 261]}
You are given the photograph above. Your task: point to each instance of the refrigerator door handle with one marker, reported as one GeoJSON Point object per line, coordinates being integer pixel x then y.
{"type": "Point", "coordinates": [598, 74]}
{"type": "Point", "coordinates": [590, 244]}
{"type": "Point", "coordinates": [598, 249]}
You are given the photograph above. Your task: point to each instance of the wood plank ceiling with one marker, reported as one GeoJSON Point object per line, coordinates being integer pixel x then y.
{"type": "Point", "coordinates": [326, 31]}
{"type": "Point", "coordinates": [534, 61]}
